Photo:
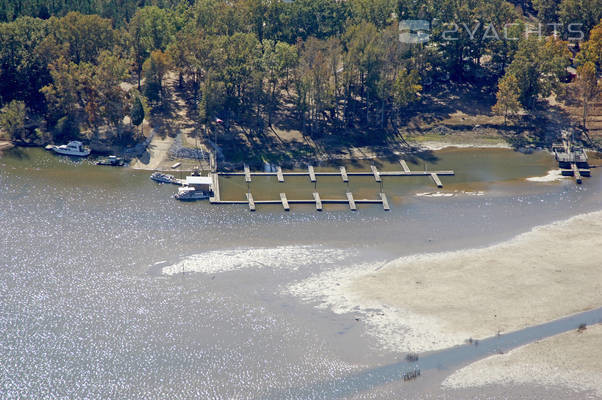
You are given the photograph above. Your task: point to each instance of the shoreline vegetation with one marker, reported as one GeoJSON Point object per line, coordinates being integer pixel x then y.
{"type": "Point", "coordinates": [283, 82]}
{"type": "Point", "coordinates": [433, 301]}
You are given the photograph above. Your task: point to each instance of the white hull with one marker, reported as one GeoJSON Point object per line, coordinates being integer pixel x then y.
{"type": "Point", "coordinates": [165, 178]}
{"type": "Point", "coordinates": [192, 196]}
{"type": "Point", "coordinates": [64, 152]}
{"type": "Point", "coordinates": [74, 148]}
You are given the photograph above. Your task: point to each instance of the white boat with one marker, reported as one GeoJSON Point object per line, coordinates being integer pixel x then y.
{"type": "Point", "coordinates": [73, 148]}
{"type": "Point", "coordinates": [189, 193]}
{"type": "Point", "coordinates": [195, 188]}
{"type": "Point", "coordinates": [165, 178]}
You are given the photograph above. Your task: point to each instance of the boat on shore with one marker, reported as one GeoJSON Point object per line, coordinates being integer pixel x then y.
{"type": "Point", "coordinates": [165, 178]}
{"type": "Point", "coordinates": [73, 148]}
{"type": "Point", "coordinates": [111, 161]}
{"type": "Point", "coordinates": [195, 188]}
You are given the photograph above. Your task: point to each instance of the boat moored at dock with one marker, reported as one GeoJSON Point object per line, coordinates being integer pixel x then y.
{"type": "Point", "coordinates": [195, 188]}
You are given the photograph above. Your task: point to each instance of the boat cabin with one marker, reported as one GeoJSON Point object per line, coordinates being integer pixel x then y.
{"type": "Point", "coordinates": [75, 145]}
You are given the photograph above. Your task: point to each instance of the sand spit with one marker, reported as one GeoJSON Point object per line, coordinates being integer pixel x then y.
{"type": "Point", "coordinates": [570, 360]}
{"type": "Point", "coordinates": [436, 145]}
{"type": "Point", "coordinates": [554, 175]}
{"type": "Point", "coordinates": [433, 301]}
{"type": "Point", "coordinates": [282, 257]}
{"type": "Point", "coordinates": [450, 194]}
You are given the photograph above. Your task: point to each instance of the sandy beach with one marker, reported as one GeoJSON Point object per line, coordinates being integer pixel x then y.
{"type": "Point", "coordinates": [570, 360]}
{"type": "Point", "coordinates": [553, 175]}
{"type": "Point", "coordinates": [433, 301]}
{"type": "Point", "coordinates": [475, 144]}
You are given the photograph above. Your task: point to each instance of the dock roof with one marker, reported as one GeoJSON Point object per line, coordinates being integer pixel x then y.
{"type": "Point", "coordinates": [198, 180]}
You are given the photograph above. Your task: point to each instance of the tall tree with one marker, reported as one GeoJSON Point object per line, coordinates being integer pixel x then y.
{"type": "Point", "coordinates": [84, 36]}
{"type": "Point", "coordinates": [592, 49]}
{"type": "Point", "coordinates": [12, 120]}
{"type": "Point", "coordinates": [137, 113]}
{"type": "Point", "coordinates": [547, 10]}
{"type": "Point", "coordinates": [23, 68]}
{"type": "Point", "coordinates": [364, 60]}
{"type": "Point", "coordinates": [155, 68]}
{"type": "Point", "coordinates": [583, 15]}
{"type": "Point", "coordinates": [508, 95]}
{"type": "Point", "coordinates": [538, 67]}
{"type": "Point", "coordinates": [587, 81]}
{"type": "Point", "coordinates": [150, 29]}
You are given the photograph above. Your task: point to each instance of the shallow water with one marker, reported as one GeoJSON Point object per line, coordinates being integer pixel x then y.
{"type": "Point", "coordinates": [87, 312]}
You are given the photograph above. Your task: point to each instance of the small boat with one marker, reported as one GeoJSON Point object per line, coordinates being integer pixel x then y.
{"type": "Point", "coordinates": [195, 188]}
{"type": "Point", "coordinates": [73, 148]}
{"type": "Point", "coordinates": [112, 161]}
{"type": "Point", "coordinates": [165, 178]}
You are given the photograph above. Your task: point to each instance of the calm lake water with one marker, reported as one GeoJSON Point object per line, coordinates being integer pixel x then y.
{"type": "Point", "coordinates": [86, 312]}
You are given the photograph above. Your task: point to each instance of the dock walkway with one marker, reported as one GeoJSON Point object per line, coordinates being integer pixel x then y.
{"type": "Point", "coordinates": [312, 175]}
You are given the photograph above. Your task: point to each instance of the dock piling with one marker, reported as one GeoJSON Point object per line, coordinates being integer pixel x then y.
{"type": "Point", "coordinates": [318, 201]}
{"type": "Point", "coordinates": [247, 174]}
{"type": "Point", "coordinates": [576, 173]}
{"type": "Point", "coordinates": [436, 180]}
{"type": "Point", "coordinates": [344, 174]}
{"type": "Point", "coordinates": [312, 174]}
{"type": "Point", "coordinates": [383, 197]}
{"type": "Point", "coordinates": [284, 202]}
{"type": "Point", "coordinates": [404, 166]}
{"type": "Point", "coordinates": [251, 202]}
{"type": "Point", "coordinates": [375, 173]}
{"type": "Point", "coordinates": [351, 201]}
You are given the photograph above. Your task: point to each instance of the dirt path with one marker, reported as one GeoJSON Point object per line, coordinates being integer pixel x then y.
{"type": "Point", "coordinates": [174, 128]}
{"type": "Point", "coordinates": [156, 153]}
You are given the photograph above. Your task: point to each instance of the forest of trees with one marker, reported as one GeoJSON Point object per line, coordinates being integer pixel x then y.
{"type": "Point", "coordinates": [329, 65]}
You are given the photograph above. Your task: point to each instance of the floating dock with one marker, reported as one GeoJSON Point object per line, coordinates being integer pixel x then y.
{"type": "Point", "coordinates": [313, 175]}
{"type": "Point", "coordinates": [572, 160]}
